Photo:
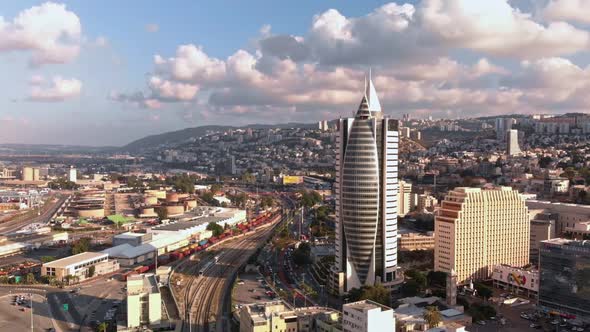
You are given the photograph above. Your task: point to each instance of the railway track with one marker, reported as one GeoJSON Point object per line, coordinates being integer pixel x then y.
{"type": "Point", "coordinates": [203, 295]}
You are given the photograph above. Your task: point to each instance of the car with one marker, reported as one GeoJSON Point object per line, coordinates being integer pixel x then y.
{"type": "Point", "coordinates": [554, 322]}
{"type": "Point", "coordinates": [481, 322]}
{"type": "Point", "coordinates": [22, 309]}
{"type": "Point", "coordinates": [524, 316]}
{"type": "Point", "coordinates": [240, 282]}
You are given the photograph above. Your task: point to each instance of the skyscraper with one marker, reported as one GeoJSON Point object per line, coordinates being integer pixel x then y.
{"type": "Point", "coordinates": [476, 229]}
{"type": "Point", "coordinates": [565, 277]}
{"type": "Point", "coordinates": [512, 147]}
{"type": "Point", "coordinates": [366, 197]}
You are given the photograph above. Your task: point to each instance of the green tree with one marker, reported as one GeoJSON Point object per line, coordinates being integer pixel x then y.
{"type": "Point", "coordinates": [215, 228]}
{"type": "Point", "coordinates": [417, 276]}
{"type": "Point", "coordinates": [484, 291]}
{"type": "Point", "coordinates": [266, 201]}
{"type": "Point", "coordinates": [301, 255]}
{"type": "Point", "coordinates": [216, 187]}
{"type": "Point", "coordinates": [162, 213]}
{"type": "Point", "coordinates": [432, 316]}
{"type": "Point", "coordinates": [30, 279]}
{"type": "Point", "coordinates": [410, 288]}
{"type": "Point", "coordinates": [437, 278]}
{"type": "Point", "coordinates": [80, 246]}
{"type": "Point", "coordinates": [91, 271]}
{"type": "Point", "coordinates": [102, 327]}
{"type": "Point", "coordinates": [47, 259]}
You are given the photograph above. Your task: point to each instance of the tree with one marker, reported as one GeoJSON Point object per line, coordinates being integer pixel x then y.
{"type": "Point", "coordinates": [410, 288]}
{"type": "Point", "coordinates": [215, 187]}
{"type": "Point", "coordinates": [418, 277]}
{"type": "Point", "coordinates": [102, 327]}
{"type": "Point", "coordinates": [437, 278]}
{"type": "Point", "coordinates": [91, 271]}
{"type": "Point", "coordinates": [30, 279]}
{"type": "Point", "coordinates": [266, 201]}
{"type": "Point", "coordinates": [162, 213]}
{"type": "Point", "coordinates": [215, 228]}
{"type": "Point", "coordinates": [376, 293]}
{"type": "Point", "coordinates": [80, 246]}
{"type": "Point", "coordinates": [301, 254]}
{"type": "Point", "coordinates": [432, 316]}
{"type": "Point", "coordinates": [545, 161]}
{"type": "Point", "coordinates": [47, 259]}
{"type": "Point", "coordinates": [484, 291]}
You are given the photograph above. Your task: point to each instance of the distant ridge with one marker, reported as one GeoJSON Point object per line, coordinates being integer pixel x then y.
{"type": "Point", "coordinates": [185, 134]}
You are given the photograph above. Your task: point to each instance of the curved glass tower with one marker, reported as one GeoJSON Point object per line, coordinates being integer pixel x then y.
{"type": "Point", "coordinates": [366, 197]}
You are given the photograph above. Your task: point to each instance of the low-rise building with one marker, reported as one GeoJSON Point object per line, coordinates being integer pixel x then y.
{"type": "Point", "coordinates": [80, 266]}
{"type": "Point", "coordinates": [275, 316]}
{"type": "Point", "coordinates": [367, 316]}
{"type": "Point", "coordinates": [144, 301]}
{"type": "Point", "coordinates": [409, 315]}
{"type": "Point", "coordinates": [416, 241]}
{"type": "Point", "coordinates": [523, 282]}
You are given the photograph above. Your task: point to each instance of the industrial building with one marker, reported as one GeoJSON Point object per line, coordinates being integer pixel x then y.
{"type": "Point", "coordinates": [78, 266]}
{"type": "Point", "coordinates": [144, 301]}
{"type": "Point", "coordinates": [138, 248]}
{"type": "Point", "coordinates": [476, 229]}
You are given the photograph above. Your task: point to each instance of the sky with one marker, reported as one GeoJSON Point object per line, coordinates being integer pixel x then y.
{"type": "Point", "coordinates": [108, 72]}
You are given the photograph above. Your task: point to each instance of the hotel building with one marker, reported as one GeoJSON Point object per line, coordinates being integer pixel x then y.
{"type": "Point", "coordinates": [476, 229]}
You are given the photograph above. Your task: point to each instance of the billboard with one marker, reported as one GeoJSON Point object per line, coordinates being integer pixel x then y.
{"type": "Point", "coordinates": [291, 179]}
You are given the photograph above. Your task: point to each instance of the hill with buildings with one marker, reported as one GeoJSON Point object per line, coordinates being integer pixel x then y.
{"type": "Point", "coordinates": [179, 136]}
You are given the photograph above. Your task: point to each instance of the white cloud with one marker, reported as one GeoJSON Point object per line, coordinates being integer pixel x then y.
{"type": "Point", "coordinates": [36, 80]}
{"type": "Point", "coordinates": [152, 27]}
{"type": "Point", "coordinates": [494, 27]}
{"type": "Point", "coordinates": [413, 51]}
{"type": "Point", "coordinates": [101, 41]}
{"type": "Point", "coordinates": [59, 89]}
{"type": "Point", "coordinates": [191, 63]}
{"type": "Point", "coordinates": [172, 90]}
{"type": "Point", "coordinates": [568, 10]}
{"type": "Point", "coordinates": [49, 31]}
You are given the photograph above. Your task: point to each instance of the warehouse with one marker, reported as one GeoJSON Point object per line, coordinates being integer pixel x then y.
{"type": "Point", "coordinates": [78, 266]}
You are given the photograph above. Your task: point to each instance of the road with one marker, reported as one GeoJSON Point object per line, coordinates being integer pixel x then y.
{"type": "Point", "coordinates": [47, 212]}
{"type": "Point", "coordinates": [201, 298]}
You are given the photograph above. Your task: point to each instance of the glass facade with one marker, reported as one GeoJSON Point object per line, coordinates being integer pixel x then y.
{"type": "Point", "coordinates": [565, 277]}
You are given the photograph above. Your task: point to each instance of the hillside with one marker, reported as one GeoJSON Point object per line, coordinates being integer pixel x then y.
{"type": "Point", "coordinates": [184, 134]}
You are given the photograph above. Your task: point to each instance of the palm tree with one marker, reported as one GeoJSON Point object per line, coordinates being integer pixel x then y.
{"type": "Point", "coordinates": [102, 327]}
{"type": "Point", "coordinates": [432, 316]}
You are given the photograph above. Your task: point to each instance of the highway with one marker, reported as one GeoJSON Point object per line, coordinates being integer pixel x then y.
{"type": "Point", "coordinates": [47, 212]}
{"type": "Point", "coordinates": [200, 298]}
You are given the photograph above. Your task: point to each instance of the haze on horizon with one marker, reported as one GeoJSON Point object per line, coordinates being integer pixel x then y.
{"type": "Point", "coordinates": [106, 73]}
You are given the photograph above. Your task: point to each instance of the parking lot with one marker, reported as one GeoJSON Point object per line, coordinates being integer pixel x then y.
{"type": "Point", "coordinates": [16, 315]}
{"type": "Point", "coordinates": [99, 301]}
{"type": "Point", "coordinates": [523, 318]}
{"type": "Point", "coordinates": [250, 288]}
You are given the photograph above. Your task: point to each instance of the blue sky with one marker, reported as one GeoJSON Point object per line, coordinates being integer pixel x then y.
{"type": "Point", "coordinates": [89, 75]}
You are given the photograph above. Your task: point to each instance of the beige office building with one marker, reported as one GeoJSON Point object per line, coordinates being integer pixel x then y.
{"type": "Point", "coordinates": [406, 199]}
{"type": "Point", "coordinates": [541, 230]}
{"type": "Point", "coordinates": [476, 229]}
{"type": "Point", "coordinates": [144, 301]}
